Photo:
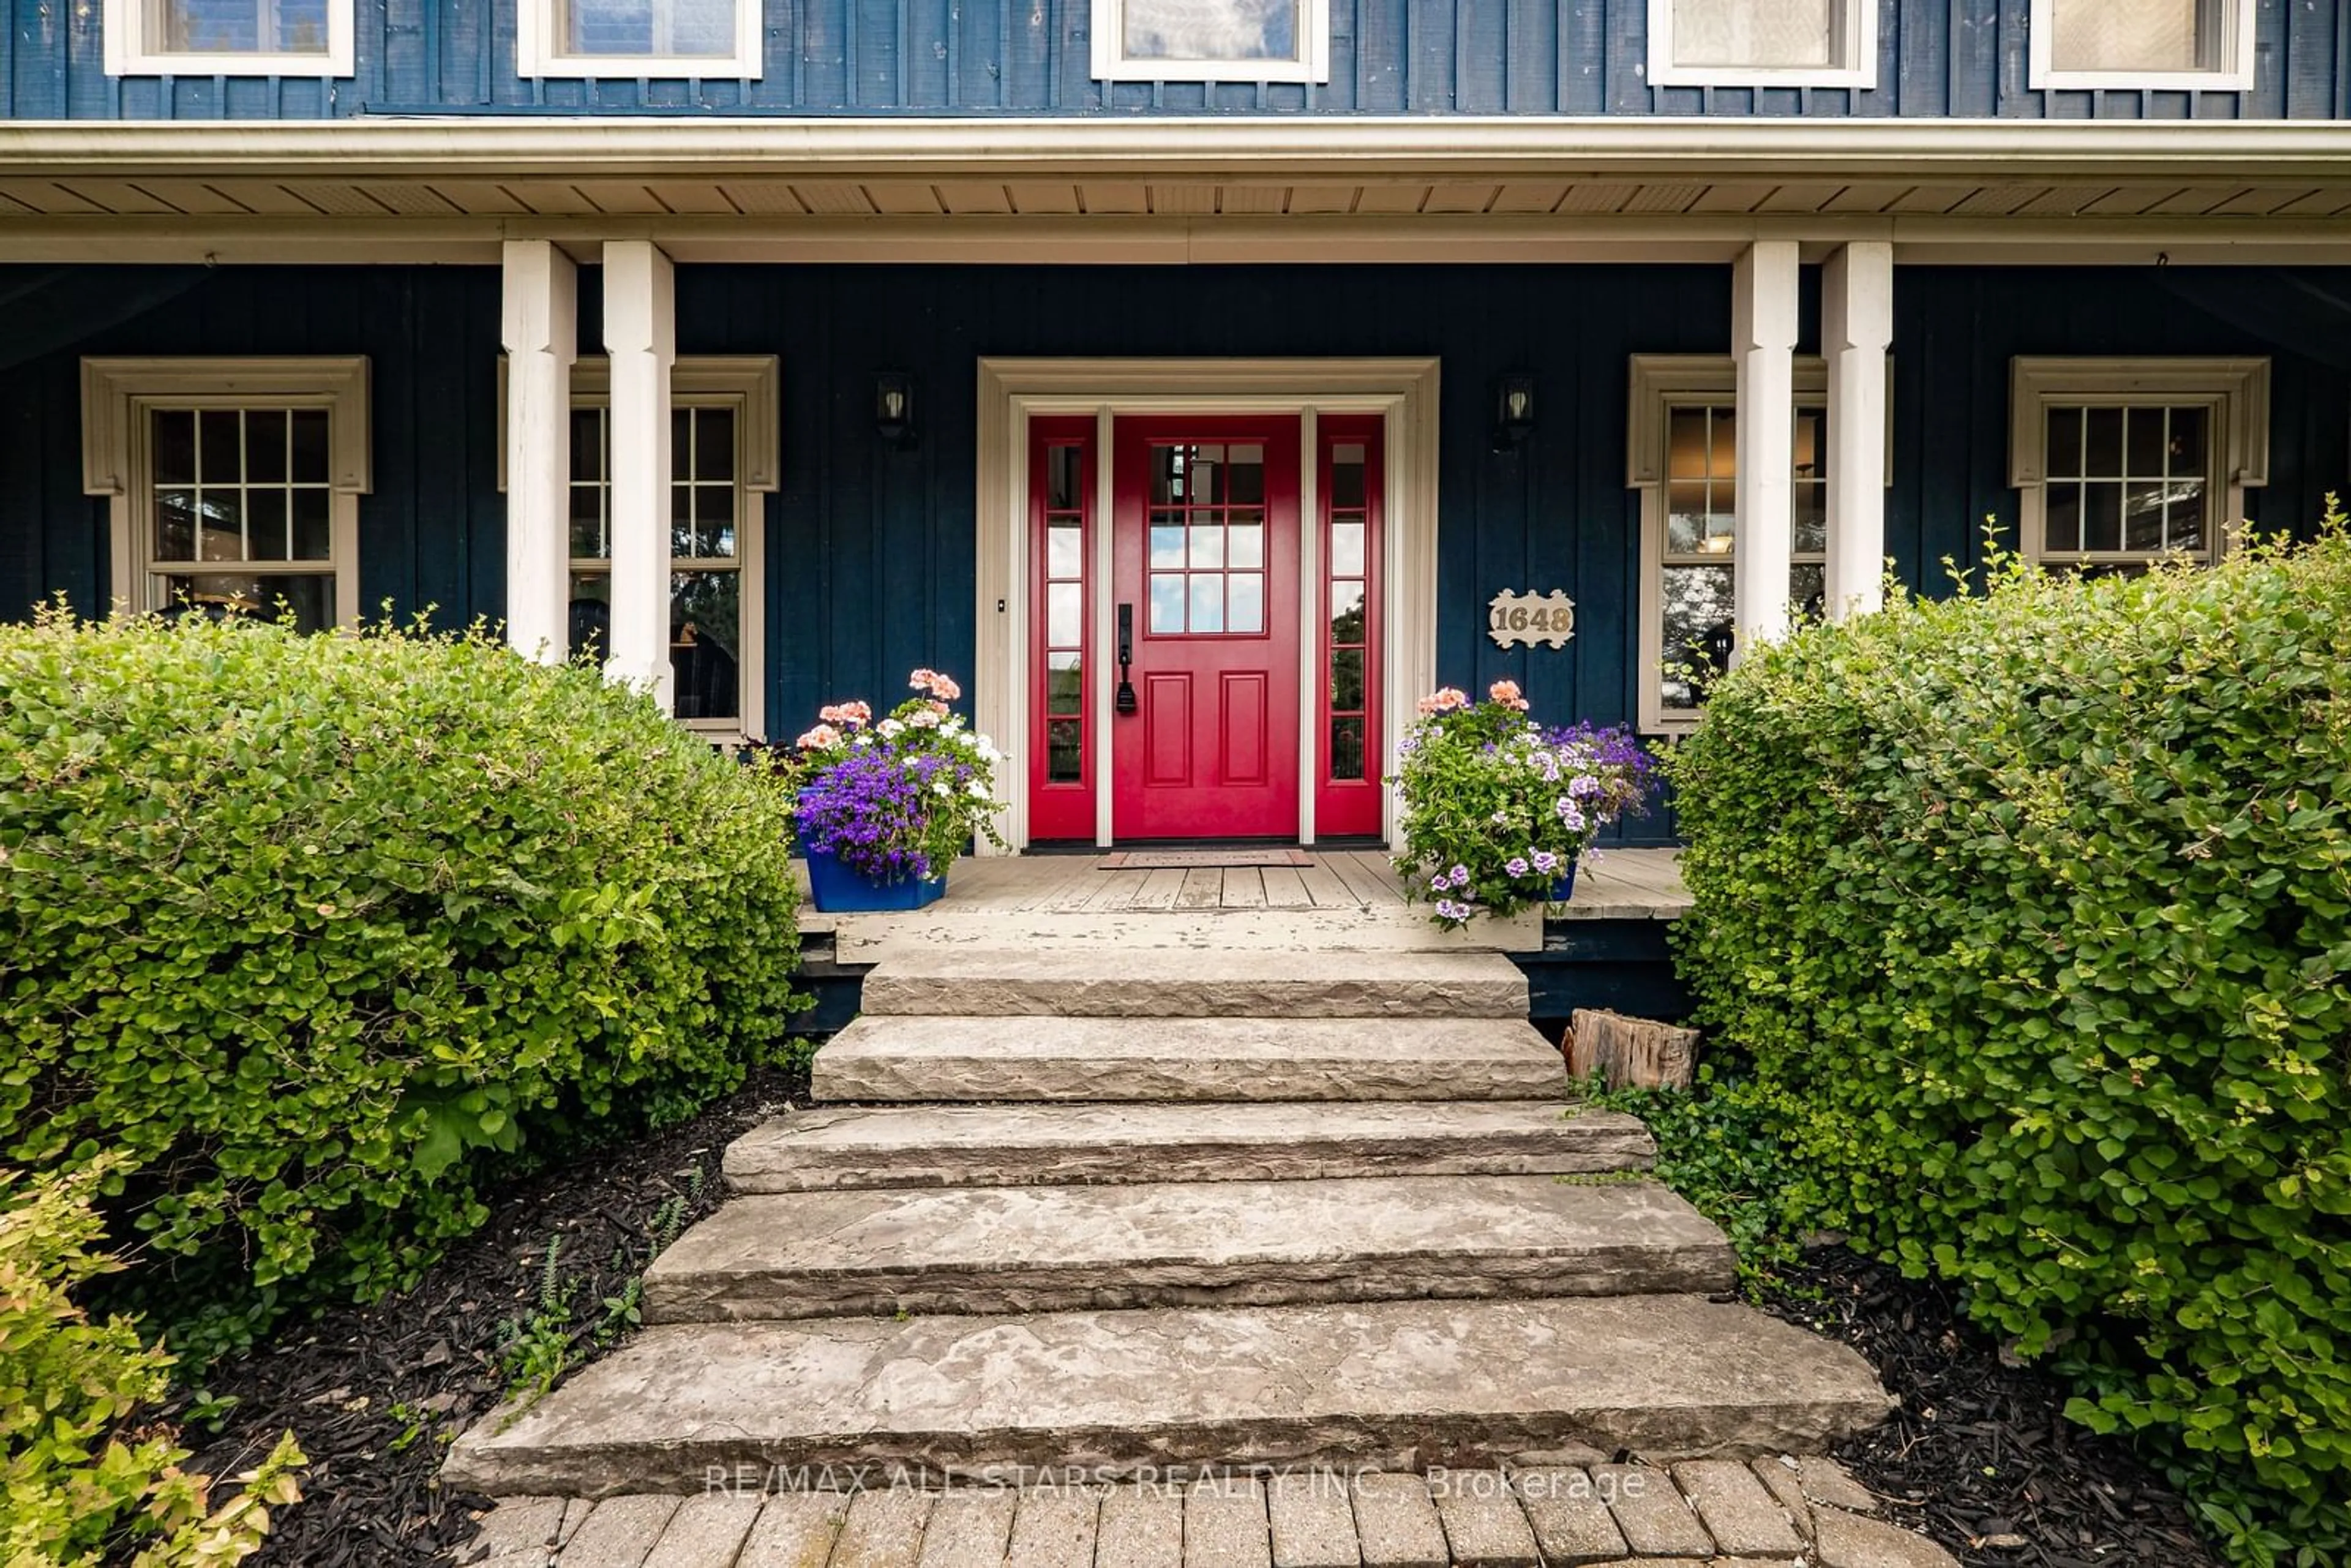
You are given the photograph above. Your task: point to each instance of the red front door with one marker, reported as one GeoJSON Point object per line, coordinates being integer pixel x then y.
{"type": "Point", "coordinates": [1205, 559]}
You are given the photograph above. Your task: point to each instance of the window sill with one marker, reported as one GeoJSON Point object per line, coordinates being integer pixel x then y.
{"type": "Point", "coordinates": [190, 65]}
{"type": "Point", "coordinates": [643, 68]}
{"type": "Point", "coordinates": [1859, 78]}
{"type": "Point", "coordinates": [2141, 81]}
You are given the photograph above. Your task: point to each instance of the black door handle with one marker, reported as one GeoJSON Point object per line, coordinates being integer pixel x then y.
{"type": "Point", "coordinates": [1126, 702]}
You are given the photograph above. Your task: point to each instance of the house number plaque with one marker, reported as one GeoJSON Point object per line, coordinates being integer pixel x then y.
{"type": "Point", "coordinates": [1522, 619]}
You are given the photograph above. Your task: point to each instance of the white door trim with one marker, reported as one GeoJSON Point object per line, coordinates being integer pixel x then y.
{"type": "Point", "coordinates": [1012, 392]}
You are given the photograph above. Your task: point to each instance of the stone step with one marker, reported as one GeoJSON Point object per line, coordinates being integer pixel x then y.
{"type": "Point", "coordinates": [1029, 1145]}
{"type": "Point", "coordinates": [1184, 1059]}
{"type": "Point", "coordinates": [1390, 1385]}
{"type": "Point", "coordinates": [1384, 928]}
{"type": "Point", "coordinates": [1166, 1244]}
{"type": "Point", "coordinates": [1196, 983]}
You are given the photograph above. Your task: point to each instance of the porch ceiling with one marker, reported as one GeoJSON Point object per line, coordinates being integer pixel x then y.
{"type": "Point", "coordinates": [1179, 191]}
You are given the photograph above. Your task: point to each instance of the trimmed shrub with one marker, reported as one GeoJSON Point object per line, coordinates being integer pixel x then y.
{"type": "Point", "coordinates": [324, 934]}
{"type": "Point", "coordinates": [89, 1473]}
{"type": "Point", "coordinates": [2032, 911]}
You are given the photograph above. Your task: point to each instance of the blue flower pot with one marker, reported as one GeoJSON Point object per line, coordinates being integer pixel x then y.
{"type": "Point", "coordinates": [1564, 888]}
{"type": "Point", "coordinates": [841, 889]}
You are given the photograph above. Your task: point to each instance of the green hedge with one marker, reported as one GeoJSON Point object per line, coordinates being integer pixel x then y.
{"type": "Point", "coordinates": [2033, 910]}
{"type": "Point", "coordinates": [326, 934]}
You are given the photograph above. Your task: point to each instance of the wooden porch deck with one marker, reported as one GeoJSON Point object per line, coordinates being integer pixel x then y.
{"type": "Point", "coordinates": [1015, 898]}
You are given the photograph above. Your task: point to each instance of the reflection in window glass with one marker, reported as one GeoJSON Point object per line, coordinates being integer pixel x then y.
{"type": "Point", "coordinates": [1784, 34]}
{"type": "Point", "coordinates": [1211, 29]}
{"type": "Point", "coordinates": [237, 26]}
{"type": "Point", "coordinates": [2127, 484]}
{"type": "Point", "coordinates": [308, 597]}
{"type": "Point", "coordinates": [2141, 35]}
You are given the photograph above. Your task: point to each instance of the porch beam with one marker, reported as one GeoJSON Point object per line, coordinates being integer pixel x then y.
{"type": "Point", "coordinates": [1763, 345]}
{"type": "Point", "coordinates": [1856, 327]}
{"type": "Point", "coordinates": [540, 332]}
{"type": "Point", "coordinates": [641, 336]}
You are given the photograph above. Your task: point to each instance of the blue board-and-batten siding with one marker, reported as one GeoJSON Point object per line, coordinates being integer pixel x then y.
{"type": "Point", "coordinates": [1935, 58]}
{"type": "Point", "coordinates": [872, 568]}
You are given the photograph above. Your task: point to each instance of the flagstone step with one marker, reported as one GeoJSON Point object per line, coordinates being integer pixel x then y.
{"type": "Point", "coordinates": [1026, 1145]}
{"type": "Point", "coordinates": [1255, 1243]}
{"type": "Point", "coordinates": [941, 1058]}
{"type": "Point", "coordinates": [1202, 983]}
{"type": "Point", "coordinates": [1393, 1384]}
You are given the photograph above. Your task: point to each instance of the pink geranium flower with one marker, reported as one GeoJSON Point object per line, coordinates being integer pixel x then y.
{"type": "Point", "coordinates": [817, 739]}
{"type": "Point", "coordinates": [1506, 693]}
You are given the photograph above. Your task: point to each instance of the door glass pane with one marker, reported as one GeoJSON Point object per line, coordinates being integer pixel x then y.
{"type": "Point", "coordinates": [1770, 33]}
{"type": "Point", "coordinates": [1063, 468]}
{"type": "Point", "coordinates": [1346, 549]}
{"type": "Point", "coordinates": [1065, 751]}
{"type": "Point", "coordinates": [1167, 546]}
{"type": "Point", "coordinates": [1245, 545]}
{"type": "Point", "coordinates": [1064, 684]}
{"type": "Point", "coordinates": [1347, 748]}
{"type": "Point", "coordinates": [1245, 475]}
{"type": "Point", "coordinates": [1248, 603]}
{"type": "Point", "coordinates": [1065, 550]}
{"type": "Point", "coordinates": [219, 595]}
{"type": "Point", "coordinates": [1166, 603]}
{"type": "Point", "coordinates": [706, 626]}
{"type": "Point", "coordinates": [1065, 614]}
{"type": "Point", "coordinates": [1347, 679]}
{"type": "Point", "coordinates": [1207, 601]}
{"type": "Point", "coordinates": [1347, 474]}
{"type": "Point", "coordinates": [1346, 613]}
{"type": "Point", "coordinates": [1208, 545]}
{"type": "Point", "coordinates": [2146, 35]}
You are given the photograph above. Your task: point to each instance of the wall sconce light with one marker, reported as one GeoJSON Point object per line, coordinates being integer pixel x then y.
{"type": "Point", "coordinates": [1514, 411]}
{"type": "Point", "coordinates": [894, 408]}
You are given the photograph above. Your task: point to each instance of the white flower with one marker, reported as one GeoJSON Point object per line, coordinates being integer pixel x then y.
{"type": "Point", "coordinates": [979, 792]}
{"type": "Point", "coordinates": [940, 788]}
{"type": "Point", "coordinates": [924, 718]}
{"type": "Point", "coordinates": [891, 727]}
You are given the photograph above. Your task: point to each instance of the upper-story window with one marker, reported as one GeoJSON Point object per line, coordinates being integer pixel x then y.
{"type": "Point", "coordinates": [1212, 40]}
{"type": "Point", "coordinates": [627, 39]}
{"type": "Point", "coordinates": [1764, 43]}
{"type": "Point", "coordinates": [2187, 43]}
{"type": "Point", "coordinates": [228, 37]}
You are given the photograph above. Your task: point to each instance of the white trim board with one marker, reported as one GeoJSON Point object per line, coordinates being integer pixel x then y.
{"type": "Point", "coordinates": [1012, 392]}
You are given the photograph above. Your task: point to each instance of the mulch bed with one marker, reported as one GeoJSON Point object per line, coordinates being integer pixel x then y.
{"type": "Point", "coordinates": [375, 1395]}
{"type": "Point", "coordinates": [1978, 1449]}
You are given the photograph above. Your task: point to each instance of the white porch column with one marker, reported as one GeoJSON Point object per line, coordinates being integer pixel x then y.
{"type": "Point", "coordinates": [1763, 342]}
{"type": "Point", "coordinates": [540, 332]}
{"type": "Point", "coordinates": [1856, 326]}
{"type": "Point", "coordinates": [641, 335]}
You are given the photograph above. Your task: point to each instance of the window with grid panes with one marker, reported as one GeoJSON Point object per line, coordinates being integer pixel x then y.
{"type": "Point", "coordinates": [1065, 613]}
{"type": "Point", "coordinates": [1208, 539]}
{"type": "Point", "coordinates": [706, 587]}
{"type": "Point", "coordinates": [1701, 527]}
{"type": "Point", "coordinates": [2125, 485]}
{"type": "Point", "coordinates": [239, 512]}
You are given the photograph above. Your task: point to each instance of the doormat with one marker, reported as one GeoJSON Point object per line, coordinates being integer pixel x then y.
{"type": "Point", "coordinates": [1198, 860]}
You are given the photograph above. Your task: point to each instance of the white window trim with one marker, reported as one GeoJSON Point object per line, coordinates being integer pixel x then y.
{"type": "Point", "coordinates": [537, 54]}
{"type": "Point", "coordinates": [1110, 63]}
{"type": "Point", "coordinates": [1857, 70]}
{"type": "Point", "coordinates": [1659, 384]}
{"type": "Point", "coordinates": [130, 52]}
{"type": "Point", "coordinates": [2235, 73]}
{"type": "Point", "coordinates": [752, 385]}
{"type": "Point", "coordinates": [2236, 391]}
{"type": "Point", "coordinates": [117, 395]}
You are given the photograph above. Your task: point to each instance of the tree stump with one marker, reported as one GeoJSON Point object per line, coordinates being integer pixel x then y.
{"type": "Point", "coordinates": [1630, 1053]}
